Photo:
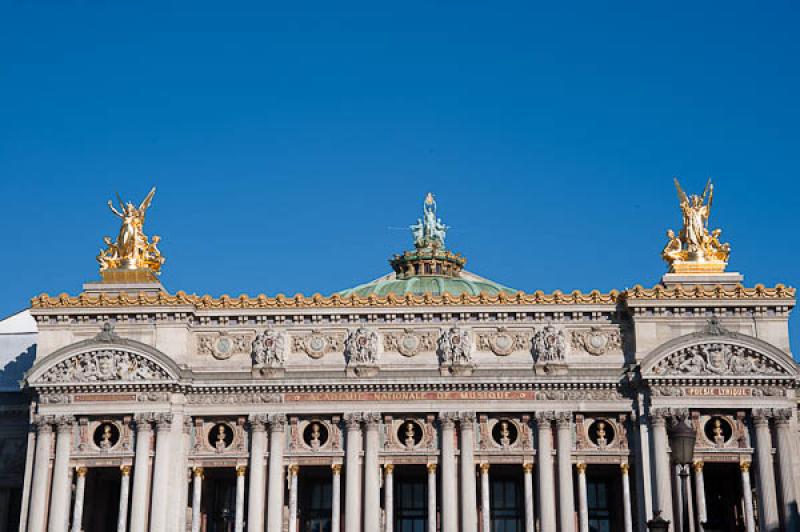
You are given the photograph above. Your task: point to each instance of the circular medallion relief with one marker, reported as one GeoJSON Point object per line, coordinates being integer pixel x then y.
{"type": "Point", "coordinates": [504, 433]}
{"type": "Point", "coordinates": [409, 433]}
{"type": "Point", "coordinates": [596, 342]}
{"type": "Point", "coordinates": [315, 434]}
{"type": "Point", "coordinates": [315, 345]}
{"type": "Point", "coordinates": [223, 347]}
{"type": "Point", "coordinates": [601, 433]}
{"type": "Point", "coordinates": [718, 430]}
{"type": "Point", "coordinates": [106, 435]}
{"type": "Point", "coordinates": [220, 436]}
{"type": "Point", "coordinates": [502, 344]}
{"type": "Point", "coordinates": [409, 345]}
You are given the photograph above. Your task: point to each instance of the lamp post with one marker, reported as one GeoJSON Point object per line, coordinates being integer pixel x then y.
{"type": "Point", "coordinates": [658, 524]}
{"type": "Point", "coordinates": [681, 442]}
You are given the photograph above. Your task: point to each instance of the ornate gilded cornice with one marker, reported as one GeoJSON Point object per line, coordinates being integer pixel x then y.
{"type": "Point", "coordinates": [300, 301]}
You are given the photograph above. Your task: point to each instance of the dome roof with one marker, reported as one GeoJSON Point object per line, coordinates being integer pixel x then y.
{"type": "Point", "coordinates": [430, 267]}
{"type": "Point", "coordinates": [465, 283]}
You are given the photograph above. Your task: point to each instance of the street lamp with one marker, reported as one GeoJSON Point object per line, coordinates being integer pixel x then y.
{"type": "Point", "coordinates": [658, 524]}
{"type": "Point", "coordinates": [681, 442]}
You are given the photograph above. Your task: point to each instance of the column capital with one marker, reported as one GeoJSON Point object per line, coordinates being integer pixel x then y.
{"type": "Point", "coordinates": [277, 422]}
{"type": "Point", "coordinates": [544, 418]}
{"type": "Point", "coordinates": [466, 419]}
{"type": "Point", "coordinates": [336, 469]}
{"type": "Point", "coordinates": [744, 466]}
{"type": "Point", "coordinates": [431, 468]}
{"type": "Point", "coordinates": [125, 470]}
{"type": "Point", "coordinates": [372, 420]}
{"type": "Point", "coordinates": [485, 467]}
{"type": "Point", "coordinates": [241, 470]}
{"type": "Point", "coordinates": [625, 467]}
{"type": "Point", "coordinates": [258, 422]}
{"type": "Point", "coordinates": [783, 416]}
{"type": "Point", "coordinates": [698, 466]}
{"type": "Point", "coordinates": [187, 424]}
{"type": "Point", "coordinates": [564, 419]}
{"type": "Point", "coordinates": [388, 468]}
{"type": "Point", "coordinates": [43, 424]}
{"type": "Point", "coordinates": [352, 420]}
{"type": "Point", "coordinates": [64, 423]}
{"type": "Point", "coordinates": [81, 471]}
{"type": "Point", "coordinates": [293, 469]}
{"type": "Point", "coordinates": [163, 421]}
{"type": "Point", "coordinates": [143, 421]}
{"type": "Point", "coordinates": [198, 472]}
{"type": "Point", "coordinates": [527, 467]}
{"type": "Point", "coordinates": [448, 419]}
{"type": "Point", "coordinates": [761, 416]}
{"type": "Point", "coordinates": [581, 467]}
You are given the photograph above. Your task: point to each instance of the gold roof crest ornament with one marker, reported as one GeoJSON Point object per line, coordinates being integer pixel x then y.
{"type": "Point", "coordinates": [694, 249]}
{"type": "Point", "coordinates": [132, 258]}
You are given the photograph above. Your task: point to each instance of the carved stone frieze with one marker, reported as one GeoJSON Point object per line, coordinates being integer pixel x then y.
{"type": "Point", "coordinates": [223, 345]}
{"type": "Point", "coordinates": [578, 395]}
{"type": "Point", "coordinates": [409, 343]}
{"type": "Point", "coordinates": [549, 345]}
{"type": "Point", "coordinates": [234, 398]}
{"type": "Point", "coordinates": [596, 341]}
{"type": "Point", "coordinates": [269, 350]}
{"type": "Point", "coordinates": [716, 358]}
{"type": "Point", "coordinates": [503, 342]}
{"type": "Point", "coordinates": [361, 347]}
{"type": "Point", "coordinates": [104, 366]}
{"type": "Point", "coordinates": [455, 349]}
{"type": "Point", "coordinates": [317, 344]}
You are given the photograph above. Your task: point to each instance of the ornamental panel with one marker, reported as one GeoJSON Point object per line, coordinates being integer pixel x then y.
{"type": "Point", "coordinates": [105, 365]}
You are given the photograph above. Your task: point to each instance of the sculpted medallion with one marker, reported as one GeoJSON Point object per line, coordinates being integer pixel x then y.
{"type": "Point", "coordinates": [503, 342]}
{"type": "Point", "coordinates": [222, 345]}
{"type": "Point", "coordinates": [596, 341]}
{"type": "Point", "coordinates": [317, 344]}
{"type": "Point", "coordinates": [408, 343]}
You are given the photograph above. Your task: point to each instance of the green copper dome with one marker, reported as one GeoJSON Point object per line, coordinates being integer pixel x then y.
{"type": "Point", "coordinates": [430, 268]}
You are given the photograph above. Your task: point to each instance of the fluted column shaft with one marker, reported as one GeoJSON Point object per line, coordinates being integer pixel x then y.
{"type": "Point", "coordinates": [255, 495]}
{"type": "Point", "coordinates": [768, 501]}
{"type": "Point", "coordinates": [431, 497]}
{"type": "Point", "coordinates": [124, 490]}
{"type": "Point", "coordinates": [627, 514]}
{"type": "Point", "coordinates": [747, 490]}
{"type": "Point", "coordinates": [41, 474]}
{"type": "Point", "coordinates": [294, 471]}
{"type": "Point", "coordinates": [241, 471]}
{"type": "Point", "coordinates": [141, 474]}
{"type": "Point", "coordinates": [388, 496]}
{"type": "Point", "coordinates": [352, 488]}
{"type": "Point", "coordinates": [277, 444]}
{"type": "Point", "coordinates": [449, 502]}
{"type": "Point", "coordinates": [527, 478]}
{"type": "Point", "coordinates": [786, 450]}
{"type": "Point", "coordinates": [372, 474]}
{"type": "Point", "coordinates": [60, 494]}
{"type": "Point", "coordinates": [336, 497]}
{"type": "Point", "coordinates": [160, 501]}
{"type": "Point", "coordinates": [583, 503]}
{"type": "Point", "coordinates": [77, 508]}
{"type": "Point", "coordinates": [197, 498]}
{"type": "Point", "coordinates": [469, 517]}
{"type": "Point", "coordinates": [546, 488]}
{"type": "Point", "coordinates": [700, 492]}
{"type": "Point", "coordinates": [663, 482]}
{"type": "Point", "coordinates": [486, 510]}
{"type": "Point", "coordinates": [566, 504]}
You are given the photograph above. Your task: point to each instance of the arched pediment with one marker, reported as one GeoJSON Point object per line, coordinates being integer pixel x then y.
{"type": "Point", "coordinates": [718, 354]}
{"type": "Point", "coordinates": [105, 359]}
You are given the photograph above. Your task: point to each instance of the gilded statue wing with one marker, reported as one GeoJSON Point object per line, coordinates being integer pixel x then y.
{"type": "Point", "coordinates": [708, 193]}
{"type": "Point", "coordinates": [147, 200]}
{"type": "Point", "coordinates": [681, 194]}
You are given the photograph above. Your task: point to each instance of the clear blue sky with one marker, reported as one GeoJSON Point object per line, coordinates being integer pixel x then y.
{"type": "Point", "coordinates": [287, 142]}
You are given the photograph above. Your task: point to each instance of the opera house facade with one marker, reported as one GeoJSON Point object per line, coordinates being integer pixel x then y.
{"type": "Point", "coordinates": [431, 399]}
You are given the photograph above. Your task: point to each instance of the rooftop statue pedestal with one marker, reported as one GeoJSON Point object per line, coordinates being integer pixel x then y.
{"type": "Point", "coordinates": [130, 281]}
{"type": "Point", "coordinates": [707, 280]}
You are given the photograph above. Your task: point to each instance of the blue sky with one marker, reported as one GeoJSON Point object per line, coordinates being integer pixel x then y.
{"type": "Point", "coordinates": [288, 142]}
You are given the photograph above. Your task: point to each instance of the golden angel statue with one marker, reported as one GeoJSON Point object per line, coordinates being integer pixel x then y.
{"type": "Point", "coordinates": [696, 250]}
{"type": "Point", "coordinates": [132, 250]}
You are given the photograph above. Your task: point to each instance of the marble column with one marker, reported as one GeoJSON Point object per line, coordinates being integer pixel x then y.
{"type": "Point", "coordinates": [352, 487]}
{"type": "Point", "coordinates": [486, 507]}
{"type": "Point", "coordinates": [388, 496]}
{"type": "Point", "coordinates": [627, 513]}
{"type": "Point", "coordinates": [583, 503]}
{"type": "Point", "coordinates": [449, 502]}
{"type": "Point", "coordinates": [255, 495]}
{"type": "Point", "coordinates": [80, 490]}
{"type": "Point", "coordinates": [372, 473]}
{"type": "Point", "coordinates": [336, 497]}
{"type": "Point", "coordinates": [527, 478]}
{"type": "Point", "coordinates": [469, 514]}
{"type": "Point", "coordinates": [294, 471]}
{"type": "Point", "coordinates": [197, 498]}
{"type": "Point", "coordinates": [241, 472]}
{"type": "Point", "coordinates": [124, 490]}
{"type": "Point", "coordinates": [61, 486]}
{"type": "Point", "coordinates": [431, 497]}
{"type": "Point", "coordinates": [663, 483]}
{"type": "Point", "coordinates": [277, 442]}
{"type": "Point", "coordinates": [141, 473]}
{"type": "Point", "coordinates": [41, 475]}
{"type": "Point", "coordinates": [750, 520]}
{"type": "Point", "coordinates": [700, 492]}
{"type": "Point", "coordinates": [160, 501]}
{"type": "Point", "coordinates": [765, 472]}
{"type": "Point", "coordinates": [182, 473]}
{"type": "Point", "coordinates": [786, 450]}
{"type": "Point", "coordinates": [687, 489]}
{"type": "Point", "coordinates": [547, 486]}
{"type": "Point", "coordinates": [566, 493]}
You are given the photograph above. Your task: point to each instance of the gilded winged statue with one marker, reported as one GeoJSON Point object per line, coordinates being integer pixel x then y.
{"type": "Point", "coordinates": [132, 250]}
{"type": "Point", "coordinates": [694, 244]}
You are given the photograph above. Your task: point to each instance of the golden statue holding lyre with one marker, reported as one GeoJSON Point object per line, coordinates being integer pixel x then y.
{"type": "Point", "coordinates": [694, 249]}
{"type": "Point", "coordinates": [132, 251]}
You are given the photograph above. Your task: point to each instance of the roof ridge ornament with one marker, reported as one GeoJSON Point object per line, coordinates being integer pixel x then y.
{"type": "Point", "coordinates": [695, 250]}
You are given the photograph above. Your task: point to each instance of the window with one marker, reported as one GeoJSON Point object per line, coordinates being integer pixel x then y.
{"type": "Point", "coordinates": [506, 504]}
